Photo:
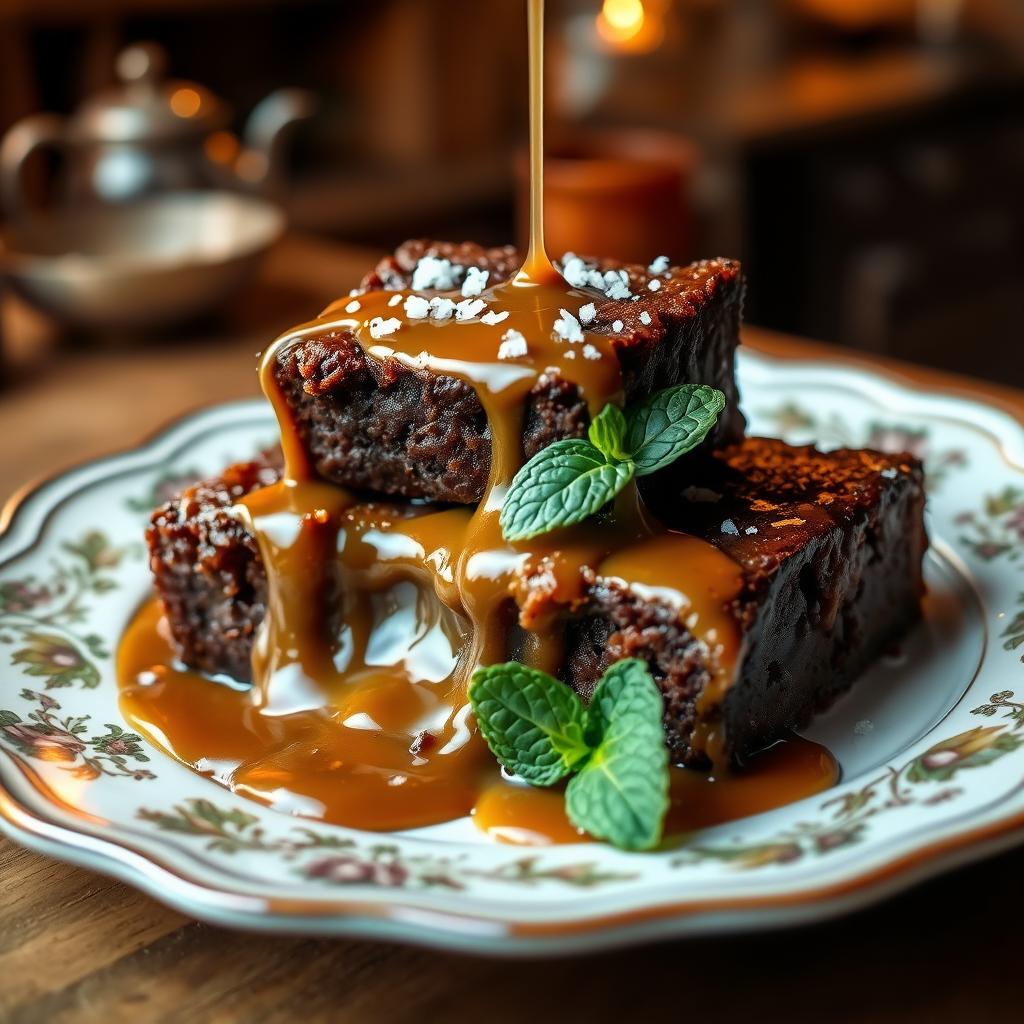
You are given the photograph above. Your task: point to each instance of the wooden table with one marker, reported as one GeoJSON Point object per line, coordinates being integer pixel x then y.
{"type": "Point", "coordinates": [75, 946]}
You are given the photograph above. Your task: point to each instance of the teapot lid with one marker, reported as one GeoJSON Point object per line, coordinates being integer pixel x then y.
{"type": "Point", "coordinates": [146, 106]}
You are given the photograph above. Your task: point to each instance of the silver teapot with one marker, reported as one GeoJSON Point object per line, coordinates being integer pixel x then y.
{"type": "Point", "coordinates": [152, 135]}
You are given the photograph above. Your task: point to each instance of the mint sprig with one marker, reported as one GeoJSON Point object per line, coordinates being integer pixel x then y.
{"type": "Point", "coordinates": [607, 433]}
{"type": "Point", "coordinates": [537, 729]}
{"type": "Point", "coordinates": [621, 791]}
{"type": "Point", "coordinates": [530, 721]}
{"type": "Point", "coordinates": [670, 424]}
{"type": "Point", "coordinates": [570, 480]}
{"type": "Point", "coordinates": [565, 483]}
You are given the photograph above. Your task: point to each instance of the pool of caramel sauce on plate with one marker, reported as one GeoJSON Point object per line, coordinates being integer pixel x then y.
{"type": "Point", "coordinates": [377, 615]}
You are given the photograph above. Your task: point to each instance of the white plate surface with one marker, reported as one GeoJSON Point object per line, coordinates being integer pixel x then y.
{"type": "Point", "coordinates": [931, 742]}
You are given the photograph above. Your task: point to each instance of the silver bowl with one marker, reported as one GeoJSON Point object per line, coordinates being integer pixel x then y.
{"type": "Point", "coordinates": [148, 264]}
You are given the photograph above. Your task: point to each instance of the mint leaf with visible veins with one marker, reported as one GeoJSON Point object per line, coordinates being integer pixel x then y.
{"type": "Point", "coordinates": [671, 423]}
{"type": "Point", "coordinates": [607, 433]}
{"type": "Point", "coordinates": [565, 483]}
{"type": "Point", "coordinates": [533, 723]}
{"type": "Point", "coordinates": [621, 791]}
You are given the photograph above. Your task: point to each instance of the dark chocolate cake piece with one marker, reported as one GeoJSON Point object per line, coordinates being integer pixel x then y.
{"type": "Point", "coordinates": [828, 546]}
{"type": "Point", "coordinates": [386, 427]}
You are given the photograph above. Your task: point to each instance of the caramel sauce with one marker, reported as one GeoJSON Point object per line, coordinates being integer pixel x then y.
{"type": "Point", "coordinates": [354, 764]}
{"type": "Point", "coordinates": [378, 614]}
{"type": "Point", "coordinates": [784, 773]}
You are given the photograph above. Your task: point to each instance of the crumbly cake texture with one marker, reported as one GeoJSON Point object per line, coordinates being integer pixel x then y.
{"type": "Point", "coordinates": [829, 547]}
{"type": "Point", "coordinates": [384, 427]}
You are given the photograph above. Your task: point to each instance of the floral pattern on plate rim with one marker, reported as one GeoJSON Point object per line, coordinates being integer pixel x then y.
{"type": "Point", "coordinates": [42, 617]}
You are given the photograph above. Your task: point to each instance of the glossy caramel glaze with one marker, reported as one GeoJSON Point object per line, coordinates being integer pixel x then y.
{"type": "Point", "coordinates": [376, 618]}
{"type": "Point", "coordinates": [354, 764]}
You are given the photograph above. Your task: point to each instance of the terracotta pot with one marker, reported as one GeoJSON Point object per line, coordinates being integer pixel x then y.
{"type": "Point", "coordinates": [623, 194]}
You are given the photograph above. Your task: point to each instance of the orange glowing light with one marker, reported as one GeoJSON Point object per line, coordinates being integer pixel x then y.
{"type": "Point", "coordinates": [185, 102]}
{"type": "Point", "coordinates": [621, 20]}
{"type": "Point", "coordinates": [221, 147]}
{"type": "Point", "coordinates": [629, 26]}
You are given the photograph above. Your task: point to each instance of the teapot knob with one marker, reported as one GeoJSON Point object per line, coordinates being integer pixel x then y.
{"type": "Point", "coordinates": [142, 63]}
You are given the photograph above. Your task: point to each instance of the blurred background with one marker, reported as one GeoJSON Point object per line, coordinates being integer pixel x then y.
{"type": "Point", "coordinates": [864, 158]}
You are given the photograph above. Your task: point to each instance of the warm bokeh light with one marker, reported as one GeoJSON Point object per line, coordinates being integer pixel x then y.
{"type": "Point", "coordinates": [629, 27]}
{"type": "Point", "coordinates": [185, 102]}
{"type": "Point", "coordinates": [622, 19]}
{"type": "Point", "coordinates": [221, 147]}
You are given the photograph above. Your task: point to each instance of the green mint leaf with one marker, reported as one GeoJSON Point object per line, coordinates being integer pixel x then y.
{"type": "Point", "coordinates": [565, 483]}
{"type": "Point", "coordinates": [607, 433]}
{"type": "Point", "coordinates": [533, 723]}
{"type": "Point", "coordinates": [621, 792]}
{"type": "Point", "coordinates": [670, 424]}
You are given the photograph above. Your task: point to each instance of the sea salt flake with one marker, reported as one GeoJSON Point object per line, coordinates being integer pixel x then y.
{"type": "Point", "coordinates": [417, 307]}
{"type": "Point", "coordinates": [730, 528]}
{"type": "Point", "coordinates": [645, 318]}
{"type": "Point", "coordinates": [353, 307]}
{"type": "Point", "coordinates": [432, 272]}
{"type": "Point", "coordinates": [617, 326]}
{"type": "Point", "coordinates": [441, 308]}
{"type": "Point", "coordinates": [492, 317]}
{"type": "Point", "coordinates": [587, 313]}
{"type": "Point", "coordinates": [590, 352]}
{"type": "Point", "coordinates": [653, 285]}
{"type": "Point", "coordinates": [381, 328]}
{"type": "Point", "coordinates": [395, 300]}
{"type": "Point", "coordinates": [567, 327]}
{"type": "Point", "coordinates": [513, 345]}
{"type": "Point", "coordinates": [575, 271]}
{"type": "Point", "coordinates": [750, 531]}
{"type": "Point", "coordinates": [658, 265]}
{"type": "Point", "coordinates": [474, 282]}
{"type": "Point", "coordinates": [616, 284]}
{"type": "Point", "coordinates": [570, 353]}
{"type": "Point", "coordinates": [469, 308]}
{"type": "Point", "coordinates": [890, 474]}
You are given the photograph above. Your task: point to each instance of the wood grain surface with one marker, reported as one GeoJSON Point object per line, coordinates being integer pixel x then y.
{"type": "Point", "coordinates": [75, 946]}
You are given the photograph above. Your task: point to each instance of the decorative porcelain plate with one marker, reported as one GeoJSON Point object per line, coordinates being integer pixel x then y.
{"type": "Point", "coordinates": [931, 743]}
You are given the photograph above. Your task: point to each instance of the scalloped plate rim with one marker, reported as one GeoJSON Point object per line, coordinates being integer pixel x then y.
{"type": "Point", "coordinates": [405, 921]}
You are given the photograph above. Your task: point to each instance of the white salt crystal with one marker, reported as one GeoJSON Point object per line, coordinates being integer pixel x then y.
{"type": "Point", "coordinates": [441, 308]}
{"type": "Point", "coordinates": [513, 345]}
{"type": "Point", "coordinates": [353, 307]}
{"type": "Point", "coordinates": [616, 284]}
{"type": "Point", "coordinates": [587, 313]}
{"type": "Point", "coordinates": [469, 308]}
{"type": "Point", "coordinates": [432, 272]}
{"type": "Point", "coordinates": [395, 299]}
{"type": "Point", "coordinates": [567, 327]}
{"type": "Point", "coordinates": [417, 307]}
{"type": "Point", "coordinates": [645, 318]}
{"type": "Point", "coordinates": [381, 328]}
{"type": "Point", "coordinates": [492, 317]}
{"type": "Point", "coordinates": [590, 352]}
{"type": "Point", "coordinates": [729, 527]}
{"type": "Point", "coordinates": [658, 265]}
{"type": "Point", "coordinates": [475, 281]}
{"type": "Point", "coordinates": [574, 270]}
